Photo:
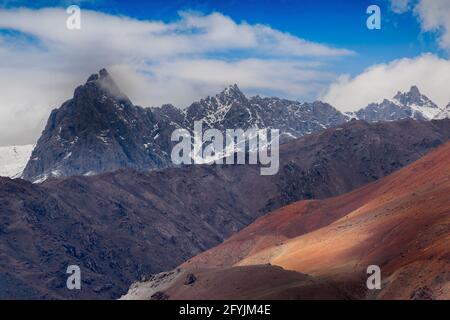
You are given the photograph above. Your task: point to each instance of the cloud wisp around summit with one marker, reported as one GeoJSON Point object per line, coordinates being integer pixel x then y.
{"type": "Point", "coordinates": [41, 61]}
{"type": "Point", "coordinates": [429, 72]}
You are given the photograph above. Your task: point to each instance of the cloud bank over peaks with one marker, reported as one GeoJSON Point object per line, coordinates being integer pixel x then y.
{"type": "Point", "coordinates": [154, 62]}
{"type": "Point", "coordinates": [429, 72]}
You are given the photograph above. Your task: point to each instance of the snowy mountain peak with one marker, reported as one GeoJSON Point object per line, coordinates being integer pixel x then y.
{"type": "Point", "coordinates": [230, 93]}
{"type": "Point", "coordinates": [413, 94]}
{"type": "Point", "coordinates": [444, 113]}
{"type": "Point", "coordinates": [411, 104]}
{"type": "Point", "coordinates": [232, 88]}
{"type": "Point", "coordinates": [414, 98]}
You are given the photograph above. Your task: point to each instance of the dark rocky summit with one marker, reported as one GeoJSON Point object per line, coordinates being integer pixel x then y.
{"type": "Point", "coordinates": [98, 130]}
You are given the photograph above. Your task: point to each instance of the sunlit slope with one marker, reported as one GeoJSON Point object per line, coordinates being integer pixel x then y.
{"type": "Point", "coordinates": [401, 223]}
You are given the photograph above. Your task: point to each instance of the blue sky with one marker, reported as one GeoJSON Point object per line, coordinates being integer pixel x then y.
{"type": "Point", "coordinates": [341, 23]}
{"type": "Point", "coordinates": [337, 22]}
{"type": "Point", "coordinates": [180, 51]}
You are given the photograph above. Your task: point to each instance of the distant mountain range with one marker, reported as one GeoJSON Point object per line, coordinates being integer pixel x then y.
{"type": "Point", "coordinates": [100, 130]}
{"type": "Point", "coordinates": [411, 104]}
{"type": "Point", "coordinates": [445, 113]}
{"type": "Point", "coordinates": [321, 249]}
{"type": "Point", "coordinates": [123, 225]}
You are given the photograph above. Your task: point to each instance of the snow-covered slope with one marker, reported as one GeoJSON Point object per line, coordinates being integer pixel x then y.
{"type": "Point", "coordinates": [13, 160]}
{"type": "Point", "coordinates": [445, 113]}
{"type": "Point", "coordinates": [410, 104]}
{"type": "Point", "coordinates": [418, 102]}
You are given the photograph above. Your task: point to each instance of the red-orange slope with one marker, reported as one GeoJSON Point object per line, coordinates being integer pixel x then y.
{"type": "Point", "coordinates": [401, 223]}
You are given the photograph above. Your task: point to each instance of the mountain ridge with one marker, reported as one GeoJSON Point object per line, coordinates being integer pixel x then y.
{"type": "Point", "coordinates": [123, 225]}
{"type": "Point", "coordinates": [101, 130]}
{"type": "Point", "coordinates": [390, 223]}
{"type": "Point", "coordinates": [412, 104]}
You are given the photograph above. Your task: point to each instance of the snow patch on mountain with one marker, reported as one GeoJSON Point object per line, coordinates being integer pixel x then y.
{"type": "Point", "coordinates": [445, 113]}
{"type": "Point", "coordinates": [13, 160]}
{"type": "Point", "coordinates": [411, 104]}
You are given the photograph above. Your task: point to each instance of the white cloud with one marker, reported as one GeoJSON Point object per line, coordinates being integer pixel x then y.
{"type": "Point", "coordinates": [155, 62]}
{"type": "Point", "coordinates": [430, 73]}
{"type": "Point", "coordinates": [400, 6]}
{"type": "Point", "coordinates": [205, 76]}
{"type": "Point", "coordinates": [194, 33]}
{"type": "Point", "coordinates": [434, 15]}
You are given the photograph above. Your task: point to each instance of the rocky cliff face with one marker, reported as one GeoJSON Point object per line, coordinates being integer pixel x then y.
{"type": "Point", "coordinates": [98, 130]}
